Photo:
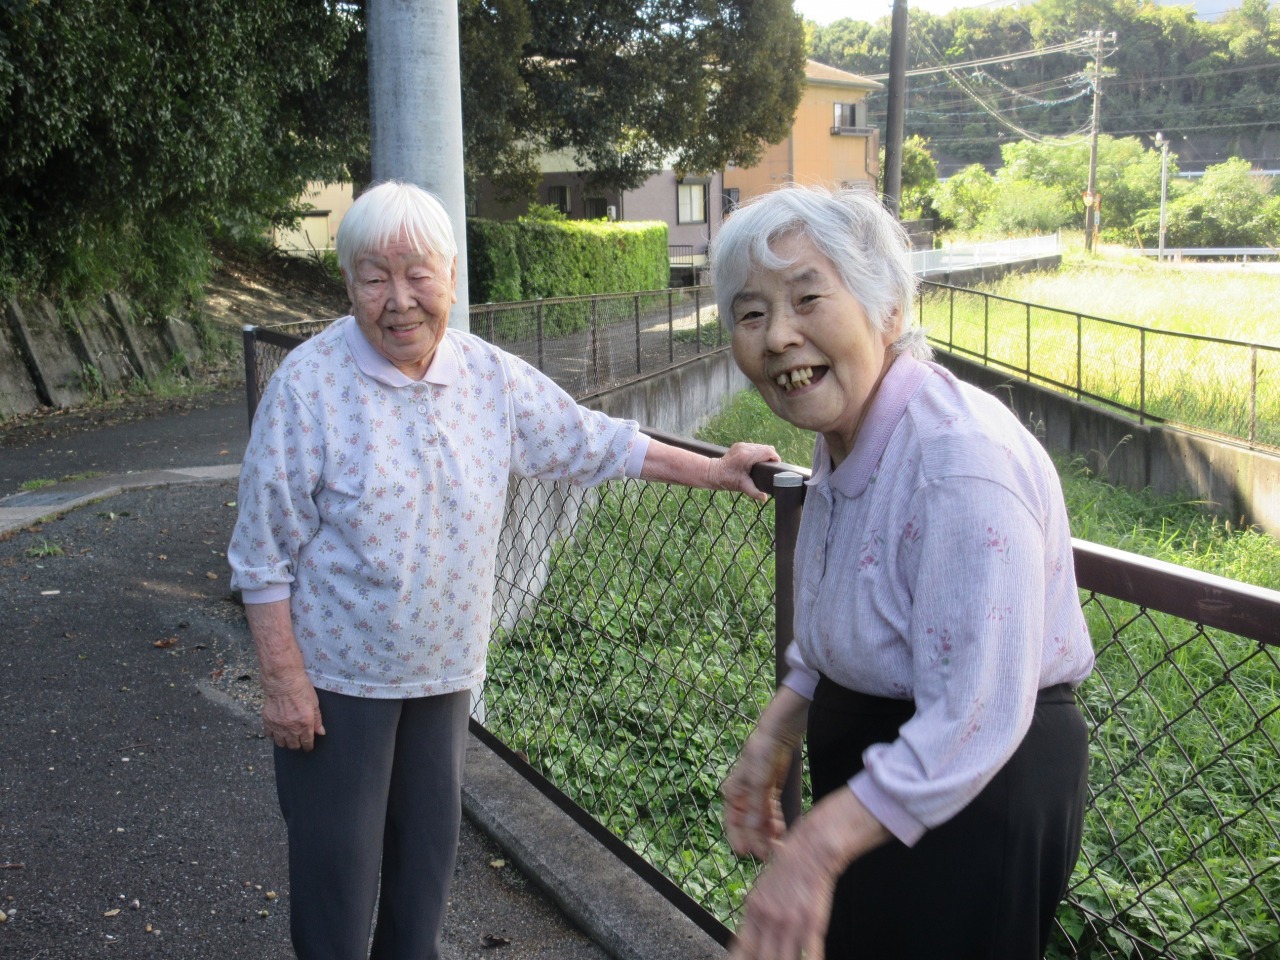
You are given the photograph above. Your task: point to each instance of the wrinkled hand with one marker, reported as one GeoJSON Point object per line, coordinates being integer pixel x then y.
{"type": "Point", "coordinates": [789, 909]}
{"type": "Point", "coordinates": [753, 796]}
{"type": "Point", "coordinates": [733, 470]}
{"type": "Point", "coordinates": [291, 713]}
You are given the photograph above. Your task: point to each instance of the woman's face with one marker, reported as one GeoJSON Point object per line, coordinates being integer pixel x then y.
{"type": "Point", "coordinates": [806, 343]}
{"type": "Point", "coordinates": [401, 300]}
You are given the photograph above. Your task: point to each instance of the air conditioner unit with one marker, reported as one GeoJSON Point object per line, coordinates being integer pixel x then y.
{"type": "Point", "coordinates": [611, 212]}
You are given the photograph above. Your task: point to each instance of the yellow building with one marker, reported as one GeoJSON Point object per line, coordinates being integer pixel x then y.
{"type": "Point", "coordinates": [829, 144]}
{"type": "Point", "coordinates": [325, 205]}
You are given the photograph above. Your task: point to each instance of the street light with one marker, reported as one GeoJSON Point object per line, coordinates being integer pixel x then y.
{"type": "Point", "coordinates": [1163, 144]}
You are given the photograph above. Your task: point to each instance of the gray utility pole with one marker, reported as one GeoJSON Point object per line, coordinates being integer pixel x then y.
{"type": "Point", "coordinates": [895, 109]}
{"type": "Point", "coordinates": [1163, 143]}
{"type": "Point", "coordinates": [1091, 199]}
{"type": "Point", "coordinates": [415, 109]}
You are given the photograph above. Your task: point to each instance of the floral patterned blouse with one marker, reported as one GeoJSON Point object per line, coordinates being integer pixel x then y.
{"type": "Point", "coordinates": [935, 565]}
{"type": "Point", "coordinates": [374, 502]}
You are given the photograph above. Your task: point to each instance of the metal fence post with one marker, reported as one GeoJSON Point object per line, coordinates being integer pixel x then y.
{"type": "Point", "coordinates": [788, 499]}
{"type": "Point", "coordinates": [639, 368]}
{"type": "Point", "coordinates": [595, 344]}
{"type": "Point", "coordinates": [251, 368]}
{"type": "Point", "coordinates": [542, 357]}
{"type": "Point", "coordinates": [1142, 375]}
{"type": "Point", "coordinates": [671, 327]}
{"type": "Point", "coordinates": [1028, 351]}
{"type": "Point", "coordinates": [697, 318]}
{"type": "Point", "coordinates": [1079, 356]}
{"type": "Point", "coordinates": [1253, 394]}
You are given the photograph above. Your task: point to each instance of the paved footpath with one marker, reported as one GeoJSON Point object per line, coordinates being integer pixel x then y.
{"type": "Point", "coordinates": [137, 807]}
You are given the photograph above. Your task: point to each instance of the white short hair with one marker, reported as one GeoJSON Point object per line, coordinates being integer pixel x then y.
{"type": "Point", "coordinates": [389, 211]}
{"type": "Point", "coordinates": [850, 228]}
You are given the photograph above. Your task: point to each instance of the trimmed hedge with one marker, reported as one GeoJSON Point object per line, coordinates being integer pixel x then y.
{"type": "Point", "coordinates": [517, 260]}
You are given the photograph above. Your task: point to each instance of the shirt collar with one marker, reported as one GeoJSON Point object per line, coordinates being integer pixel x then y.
{"type": "Point", "coordinates": [887, 408]}
{"type": "Point", "coordinates": [442, 371]}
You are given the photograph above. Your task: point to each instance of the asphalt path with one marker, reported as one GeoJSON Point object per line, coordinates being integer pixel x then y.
{"type": "Point", "coordinates": [137, 806]}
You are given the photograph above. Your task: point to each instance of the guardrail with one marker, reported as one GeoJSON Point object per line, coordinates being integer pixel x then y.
{"type": "Point", "coordinates": [1224, 388]}
{"type": "Point", "coordinates": [1192, 253]}
{"type": "Point", "coordinates": [634, 653]}
{"type": "Point", "coordinates": [965, 257]}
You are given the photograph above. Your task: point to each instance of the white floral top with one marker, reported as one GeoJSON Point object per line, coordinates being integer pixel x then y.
{"type": "Point", "coordinates": [935, 565]}
{"type": "Point", "coordinates": [374, 502]}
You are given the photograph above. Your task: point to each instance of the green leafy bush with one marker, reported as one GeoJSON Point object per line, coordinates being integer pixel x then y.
{"type": "Point", "coordinates": [536, 258]}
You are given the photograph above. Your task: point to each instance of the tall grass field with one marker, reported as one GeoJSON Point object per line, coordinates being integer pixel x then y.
{"type": "Point", "coordinates": [1144, 336]}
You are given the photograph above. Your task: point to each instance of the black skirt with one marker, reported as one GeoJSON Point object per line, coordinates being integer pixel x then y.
{"type": "Point", "coordinates": [986, 883]}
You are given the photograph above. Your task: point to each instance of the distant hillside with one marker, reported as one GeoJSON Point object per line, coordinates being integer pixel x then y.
{"type": "Point", "coordinates": [1202, 74]}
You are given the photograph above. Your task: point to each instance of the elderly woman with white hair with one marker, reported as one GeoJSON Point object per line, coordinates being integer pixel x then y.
{"type": "Point", "coordinates": [938, 630]}
{"type": "Point", "coordinates": [371, 501]}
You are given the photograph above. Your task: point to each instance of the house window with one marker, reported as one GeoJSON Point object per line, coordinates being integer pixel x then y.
{"type": "Point", "coordinates": [728, 200]}
{"type": "Point", "coordinates": [595, 208]}
{"type": "Point", "coordinates": [848, 116]}
{"type": "Point", "coordinates": [558, 197]}
{"type": "Point", "coordinates": [691, 203]}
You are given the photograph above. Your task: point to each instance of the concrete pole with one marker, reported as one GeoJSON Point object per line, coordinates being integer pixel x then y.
{"type": "Point", "coordinates": [895, 109]}
{"type": "Point", "coordinates": [415, 109]}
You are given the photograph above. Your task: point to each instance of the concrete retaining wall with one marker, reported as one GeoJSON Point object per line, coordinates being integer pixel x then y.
{"type": "Point", "coordinates": [58, 357]}
{"type": "Point", "coordinates": [1241, 485]}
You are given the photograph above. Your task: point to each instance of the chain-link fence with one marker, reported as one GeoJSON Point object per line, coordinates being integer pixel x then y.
{"type": "Point", "coordinates": [636, 632]}
{"type": "Point", "coordinates": [1224, 387]}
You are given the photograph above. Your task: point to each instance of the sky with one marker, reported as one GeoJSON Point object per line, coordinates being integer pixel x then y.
{"type": "Point", "coordinates": [825, 11]}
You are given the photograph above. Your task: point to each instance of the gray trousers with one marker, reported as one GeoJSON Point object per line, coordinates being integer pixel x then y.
{"type": "Point", "coordinates": [378, 802]}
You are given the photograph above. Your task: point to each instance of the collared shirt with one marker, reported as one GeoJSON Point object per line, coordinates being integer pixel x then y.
{"type": "Point", "coordinates": [374, 502]}
{"type": "Point", "coordinates": [934, 564]}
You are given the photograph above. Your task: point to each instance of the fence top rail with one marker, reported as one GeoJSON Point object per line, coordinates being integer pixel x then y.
{"type": "Point", "coordinates": [1204, 598]}
{"type": "Point", "coordinates": [1203, 337]}
{"type": "Point", "coordinates": [1212, 251]}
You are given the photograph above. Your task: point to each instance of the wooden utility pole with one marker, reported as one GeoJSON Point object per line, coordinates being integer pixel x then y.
{"type": "Point", "coordinates": [1091, 199]}
{"type": "Point", "coordinates": [895, 109]}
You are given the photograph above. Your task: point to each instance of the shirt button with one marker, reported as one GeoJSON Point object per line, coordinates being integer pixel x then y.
{"type": "Point", "coordinates": [422, 408]}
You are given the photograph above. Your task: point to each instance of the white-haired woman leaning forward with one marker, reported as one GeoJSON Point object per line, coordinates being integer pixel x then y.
{"type": "Point", "coordinates": [938, 631]}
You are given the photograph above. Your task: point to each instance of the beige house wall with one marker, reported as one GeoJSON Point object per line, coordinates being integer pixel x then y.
{"type": "Point", "coordinates": [318, 227]}
{"type": "Point", "coordinates": [811, 154]}
{"type": "Point", "coordinates": [823, 157]}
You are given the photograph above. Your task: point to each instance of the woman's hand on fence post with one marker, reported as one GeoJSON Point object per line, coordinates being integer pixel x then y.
{"type": "Point", "coordinates": [733, 470]}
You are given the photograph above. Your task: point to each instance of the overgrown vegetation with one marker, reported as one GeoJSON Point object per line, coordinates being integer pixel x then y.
{"type": "Point", "coordinates": [639, 674]}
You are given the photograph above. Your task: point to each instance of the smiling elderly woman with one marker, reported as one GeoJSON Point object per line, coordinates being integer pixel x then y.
{"type": "Point", "coordinates": [938, 631]}
{"type": "Point", "coordinates": [371, 501]}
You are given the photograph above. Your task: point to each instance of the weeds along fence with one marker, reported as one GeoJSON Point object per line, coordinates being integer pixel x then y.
{"type": "Point", "coordinates": [1227, 388]}
{"type": "Point", "coordinates": [636, 644]}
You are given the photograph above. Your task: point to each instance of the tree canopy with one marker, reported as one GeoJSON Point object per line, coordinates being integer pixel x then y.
{"type": "Point", "coordinates": [127, 134]}
{"type": "Point", "coordinates": [1209, 81]}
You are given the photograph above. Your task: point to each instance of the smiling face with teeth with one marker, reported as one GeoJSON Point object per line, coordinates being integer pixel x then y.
{"type": "Point", "coordinates": [806, 343]}
{"type": "Point", "coordinates": [401, 294]}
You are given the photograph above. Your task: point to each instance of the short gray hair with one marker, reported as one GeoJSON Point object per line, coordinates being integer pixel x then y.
{"type": "Point", "coordinates": [849, 227]}
{"type": "Point", "coordinates": [388, 211]}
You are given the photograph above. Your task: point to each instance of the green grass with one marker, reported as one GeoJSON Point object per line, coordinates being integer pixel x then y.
{"type": "Point", "coordinates": [640, 672]}
{"type": "Point", "coordinates": [1225, 388]}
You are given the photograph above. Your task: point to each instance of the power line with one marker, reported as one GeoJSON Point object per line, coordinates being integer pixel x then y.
{"type": "Point", "coordinates": [1067, 47]}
